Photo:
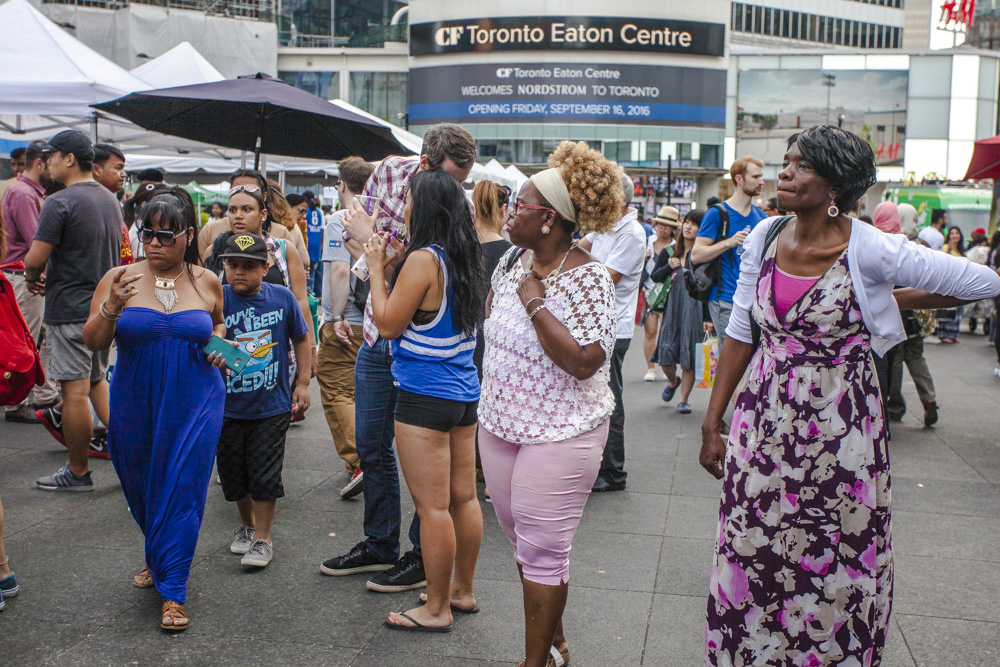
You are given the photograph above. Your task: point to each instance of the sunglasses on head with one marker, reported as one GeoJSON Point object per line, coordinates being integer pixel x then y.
{"type": "Point", "coordinates": [505, 194]}
{"type": "Point", "coordinates": [243, 188]}
{"type": "Point", "coordinates": [166, 238]}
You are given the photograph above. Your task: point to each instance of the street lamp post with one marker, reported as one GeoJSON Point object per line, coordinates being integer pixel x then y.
{"type": "Point", "coordinates": [829, 80]}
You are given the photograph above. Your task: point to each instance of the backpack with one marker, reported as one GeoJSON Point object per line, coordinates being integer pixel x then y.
{"type": "Point", "coordinates": [20, 365]}
{"type": "Point", "coordinates": [701, 279]}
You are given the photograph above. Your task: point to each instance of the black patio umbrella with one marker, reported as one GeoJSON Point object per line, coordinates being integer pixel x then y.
{"type": "Point", "coordinates": [261, 114]}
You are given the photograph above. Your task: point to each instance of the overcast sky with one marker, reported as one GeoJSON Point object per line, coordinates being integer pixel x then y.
{"type": "Point", "coordinates": [777, 91]}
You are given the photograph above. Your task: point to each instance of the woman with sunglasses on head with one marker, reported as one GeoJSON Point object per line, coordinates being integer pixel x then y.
{"type": "Point", "coordinates": [547, 400]}
{"type": "Point", "coordinates": [247, 214]}
{"type": "Point", "coordinates": [166, 399]}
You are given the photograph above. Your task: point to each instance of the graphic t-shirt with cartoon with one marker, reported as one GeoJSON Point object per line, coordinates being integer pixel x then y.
{"type": "Point", "coordinates": [263, 325]}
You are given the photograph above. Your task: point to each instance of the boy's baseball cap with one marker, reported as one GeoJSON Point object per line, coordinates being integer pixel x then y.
{"type": "Point", "coordinates": [71, 142]}
{"type": "Point", "coordinates": [247, 246]}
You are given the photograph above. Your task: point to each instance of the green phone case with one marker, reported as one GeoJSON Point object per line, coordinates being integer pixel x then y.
{"type": "Point", "coordinates": [235, 358]}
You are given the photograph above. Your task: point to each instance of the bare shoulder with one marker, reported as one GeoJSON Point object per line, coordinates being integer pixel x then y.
{"type": "Point", "coordinates": [578, 257]}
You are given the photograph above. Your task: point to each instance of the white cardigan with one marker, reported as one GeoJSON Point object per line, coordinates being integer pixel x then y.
{"type": "Point", "coordinates": [878, 262]}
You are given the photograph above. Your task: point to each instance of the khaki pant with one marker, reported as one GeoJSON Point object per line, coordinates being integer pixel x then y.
{"type": "Point", "coordinates": [32, 307]}
{"type": "Point", "coordinates": [335, 373]}
{"type": "Point", "coordinates": [910, 352]}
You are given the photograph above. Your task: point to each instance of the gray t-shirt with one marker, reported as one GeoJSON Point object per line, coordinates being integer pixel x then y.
{"type": "Point", "coordinates": [334, 251]}
{"type": "Point", "coordinates": [84, 223]}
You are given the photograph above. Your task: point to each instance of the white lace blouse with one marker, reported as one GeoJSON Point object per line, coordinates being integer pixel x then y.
{"type": "Point", "coordinates": [527, 399]}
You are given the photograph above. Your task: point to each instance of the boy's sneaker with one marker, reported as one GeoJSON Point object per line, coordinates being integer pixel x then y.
{"type": "Point", "coordinates": [406, 575]}
{"type": "Point", "coordinates": [99, 447]}
{"type": "Point", "coordinates": [65, 480]}
{"type": "Point", "coordinates": [9, 586]}
{"type": "Point", "coordinates": [2, 603]}
{"type": "Point", "coordinates": [259, 555]}
{"type": "Point", "coordinates": [242, 540]}
{"type": "Point", "coordinates": [353, 487]}
{"type": "Point", "coordinates": [51, 419]}
{"type": "Point", "coordinates": [358, 559]}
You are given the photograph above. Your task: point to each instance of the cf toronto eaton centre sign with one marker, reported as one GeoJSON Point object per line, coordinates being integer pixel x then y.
{"type": "Point", "coordinates": [571, 33]}
{"type": "Point", "coordinates": [494, 91]}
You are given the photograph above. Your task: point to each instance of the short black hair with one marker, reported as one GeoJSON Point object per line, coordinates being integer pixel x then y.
{"type": "Point", "coordinates": [844, 159]}
{"type": "Point", "coordinates": [936, 215]}
{"type": "Point", "coordinates": [17, 153]}
{"type": "Point", "coordinates": [866, 219]}
{"type": "Point", "coordinates": [104, 152]}
{"type": "Point", "coordinates": [294, 199]}
{"type": "Point", "coordinates": [152, 175]}
{"type": "Point", "coordinates": [33, 152]}
{"type": "Point", "coordinates": [772, 203]}
{"type": "Point", "coordinates": [308, 195]}
{"type": "Point", "coordinates": [712, 201]}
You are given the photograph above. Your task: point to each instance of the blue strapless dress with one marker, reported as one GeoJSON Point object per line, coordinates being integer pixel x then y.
{"type": "Point", "coordinates": [166, 416]}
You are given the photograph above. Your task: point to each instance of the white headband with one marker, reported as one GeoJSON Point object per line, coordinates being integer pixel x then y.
{"type": "Point", "coordinates": [552, 186]}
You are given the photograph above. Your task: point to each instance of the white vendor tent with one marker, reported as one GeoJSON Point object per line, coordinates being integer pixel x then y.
{"type": "Point", "coordinates": [180, 66]}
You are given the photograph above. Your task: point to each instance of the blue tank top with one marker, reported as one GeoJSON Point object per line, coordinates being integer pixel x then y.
{"type": "Point", "coordinates": [436, 359]}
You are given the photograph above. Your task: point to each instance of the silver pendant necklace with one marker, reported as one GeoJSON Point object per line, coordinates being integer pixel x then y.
{"type": "Point", "coordinates": [166, 291]}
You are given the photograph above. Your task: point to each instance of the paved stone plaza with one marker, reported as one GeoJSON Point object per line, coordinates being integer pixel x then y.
{"type": "Point", "coordinates": [640, 563]}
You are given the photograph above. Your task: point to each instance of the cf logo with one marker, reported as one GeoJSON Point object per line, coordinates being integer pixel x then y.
{"type": "Point", "coordinates": [448, 36]}
{"type": "Point", "coordinates": [505, 72]}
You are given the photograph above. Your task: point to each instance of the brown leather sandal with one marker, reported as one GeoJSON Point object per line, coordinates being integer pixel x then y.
{"type": "Point", "coordinates": [173, 617]}
{"type": "Point", "coordinates": [144, 579]}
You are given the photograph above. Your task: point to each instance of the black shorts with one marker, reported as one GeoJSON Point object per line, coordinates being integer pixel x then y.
{"type": "Point", "coordinates": [250, 457]}
{"type": "Point", "coordinates": [436, 414]}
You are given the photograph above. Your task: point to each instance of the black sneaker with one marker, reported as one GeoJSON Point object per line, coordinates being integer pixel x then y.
{"type": "Point", "coordinates": [358, 559]}
{"type": "Point", "coordinates": [99, 447]}
{"type": "Point", "coordinates": [406, 575]}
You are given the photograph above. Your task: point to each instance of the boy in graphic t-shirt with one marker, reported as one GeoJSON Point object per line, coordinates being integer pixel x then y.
{"type": "Point", "coordinates": [265, 321]}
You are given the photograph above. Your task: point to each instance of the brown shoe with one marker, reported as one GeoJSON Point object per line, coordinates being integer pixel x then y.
{"type": "Point", "coordinates": [173, 617]}
{"type": "Point", "coordinates": [930, 413]}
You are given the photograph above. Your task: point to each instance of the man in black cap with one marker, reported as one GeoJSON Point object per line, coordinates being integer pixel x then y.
{"type": "Point", "coordinates": [78, 240]}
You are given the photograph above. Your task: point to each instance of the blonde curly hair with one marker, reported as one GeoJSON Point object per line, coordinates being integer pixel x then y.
{"type": "Point", "coordinates": [594, 184]}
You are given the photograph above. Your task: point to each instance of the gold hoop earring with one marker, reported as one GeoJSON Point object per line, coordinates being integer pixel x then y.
{"type": "Point", "coordinates": [545, 229]}
{"type": "Point", "coordinates": [833, 211]}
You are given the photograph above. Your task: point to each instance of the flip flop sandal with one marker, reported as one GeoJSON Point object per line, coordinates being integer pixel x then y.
{"type": "Point", "coordinates": [455, 608]}
{"type": "Point", "coordinates": [144, 579]}
{"type": "Point", "coordinates": [416, 627]}
{"type": "Point", "coordinates": [556, 659]}
{"type": "Point", "coordinates": [173, 612]}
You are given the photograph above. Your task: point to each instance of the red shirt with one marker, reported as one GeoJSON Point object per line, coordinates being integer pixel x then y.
{"type": "Point", "coordinates": [22, 201]}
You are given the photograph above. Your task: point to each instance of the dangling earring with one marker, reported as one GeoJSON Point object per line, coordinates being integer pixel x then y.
{"type": "Point", "coordinates": [833, 211]}
{"type": "Point", "coordinates": [545, 229]}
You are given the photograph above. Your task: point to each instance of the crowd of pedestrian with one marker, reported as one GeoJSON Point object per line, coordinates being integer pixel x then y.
{"type": "Point", "coordinates": [481, 336]}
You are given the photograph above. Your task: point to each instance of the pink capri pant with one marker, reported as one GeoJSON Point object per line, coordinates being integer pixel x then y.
{"type": "Point", "coordinates": [538, 493]}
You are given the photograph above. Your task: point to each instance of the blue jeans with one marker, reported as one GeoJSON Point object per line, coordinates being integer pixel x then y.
{"type": "Point", "coordinates": [314, 281]}
{"type": "Point", "coordinates": [374, 408]}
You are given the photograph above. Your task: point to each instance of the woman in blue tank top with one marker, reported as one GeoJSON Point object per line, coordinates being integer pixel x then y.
{"type": "Point", "coordinates": [431, 317]}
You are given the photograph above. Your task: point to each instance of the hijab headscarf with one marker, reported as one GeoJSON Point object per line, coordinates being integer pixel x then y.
{"type": "Point", "coordinates": [908, 220]}
{"type": "Point", "coordinates": [886, 218]}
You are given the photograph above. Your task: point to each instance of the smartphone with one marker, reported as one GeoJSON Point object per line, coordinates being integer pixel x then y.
{"type": "Point", "coordinates": [235, 358]}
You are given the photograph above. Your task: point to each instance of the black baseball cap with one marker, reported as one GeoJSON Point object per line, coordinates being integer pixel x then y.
{"type": "Point", "coordinates": [71, 141]}
{"type": "Point", "coordinates": [247, 246]}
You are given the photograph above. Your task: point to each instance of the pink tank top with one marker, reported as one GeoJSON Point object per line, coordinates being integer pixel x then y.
{"type": "Point", "coordinates": [788, 289]}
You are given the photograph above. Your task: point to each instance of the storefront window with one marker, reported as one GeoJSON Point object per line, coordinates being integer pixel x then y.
{"type": "Point", "coordinates": [382, 94]}
{"type": "Point", "coordinates": [322, 84]}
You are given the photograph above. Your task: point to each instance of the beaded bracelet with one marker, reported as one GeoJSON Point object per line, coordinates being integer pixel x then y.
{"type": "Point", "coordinates": [531, 315]}
{"type": "Point", "coordinates": [534, 298]}
{"type": "Point", "coordinates": [107, 315]}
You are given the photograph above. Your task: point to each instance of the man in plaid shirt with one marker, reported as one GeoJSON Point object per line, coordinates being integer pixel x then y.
{"type": "Point", "coordinates": [449, 147]}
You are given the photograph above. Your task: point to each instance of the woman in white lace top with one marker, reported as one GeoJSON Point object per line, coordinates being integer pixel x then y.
{"type": "Point", "coordinates": [546, 401]}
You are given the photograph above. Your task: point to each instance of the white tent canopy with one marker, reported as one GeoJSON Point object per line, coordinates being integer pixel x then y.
{"type": "Point", "coordinates": [49, 72]}
{"type": "Point", "coordinates": [180, 66]}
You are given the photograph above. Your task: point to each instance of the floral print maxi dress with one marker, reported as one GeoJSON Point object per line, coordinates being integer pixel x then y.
{"type": "Point", "coordinates": [802, 573]}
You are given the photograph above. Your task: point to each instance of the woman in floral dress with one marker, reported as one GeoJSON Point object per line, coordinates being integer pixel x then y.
{"type": "Point", "coordinates": [802, 573]}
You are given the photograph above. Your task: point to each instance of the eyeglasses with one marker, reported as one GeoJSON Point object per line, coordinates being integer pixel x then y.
{"type": "Point", "coordinates": [243, 188]}
{"type": "Point", "coordinates": [520, 206]}
{"type": "Point", "coordinates": [165, 238]}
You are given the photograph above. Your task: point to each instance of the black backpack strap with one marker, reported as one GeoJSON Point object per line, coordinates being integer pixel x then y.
{"type": "Point", "coordinates": [512, 260]}
{"type": "Point", "coordinates": [723, 222]}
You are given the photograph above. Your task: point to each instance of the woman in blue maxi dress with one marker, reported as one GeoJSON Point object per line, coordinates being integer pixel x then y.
{"type": "Point", "coordinates": [166, 399]}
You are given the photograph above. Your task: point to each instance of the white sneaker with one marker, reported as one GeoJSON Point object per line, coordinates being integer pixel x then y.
{"type": "Point", "coordinates": [650, 376]}
{"type": "Point", "coordinates": [242, 540]}
{"type": "Point", "coordinates": [996, 371]}
{"type": "Point", "coordinates": [259, 555]}
{"type": "Point", "coordinates": [660, 375]}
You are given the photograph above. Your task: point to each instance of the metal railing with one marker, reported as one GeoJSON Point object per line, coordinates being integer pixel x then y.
{"type": "Point", "coordinates": [248, 9]}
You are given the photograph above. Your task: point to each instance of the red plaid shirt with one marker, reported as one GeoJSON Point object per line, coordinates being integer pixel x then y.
{"type": "Point", "coordinates": [388, 184]}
